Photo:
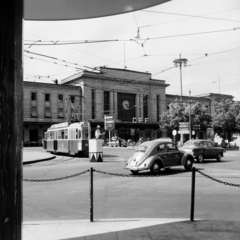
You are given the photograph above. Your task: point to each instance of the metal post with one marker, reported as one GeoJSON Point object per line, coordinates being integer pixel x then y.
{"type": "Point", "coordinates": [91, 194]}
{"type": "Point", "coordinates": [180, 66]}
{"type": "Point", "coordinates": [192, 194]}
{"type": "Point", "coordinates": [190, 127]}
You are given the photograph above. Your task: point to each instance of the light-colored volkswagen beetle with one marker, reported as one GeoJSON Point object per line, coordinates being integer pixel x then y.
{"type": "Point", "coordinates": [156, 155]}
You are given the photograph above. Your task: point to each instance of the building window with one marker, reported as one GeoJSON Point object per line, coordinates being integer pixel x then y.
{"type": "Point", "coordinates": [33, 111]}
{"type": "Point", "coordinates": [158, 112]}
{"type": "Point", "coordinates": [47, 97]}
{"type": "Point", "coordinates": [106, 102]}
{"type": "Point", "coordinates": [47, 112]}
{"type": "Point", "coordinates": [145, 106]}
{"type": "Point", "coordinates": [60, 98]}
{"type": "Point", "coordinates": [93, 103]}
{"type": "Point", "coordinates": [126, 106]}
{"type": "Point", "coordinates": [34, 96]}
{"type": "Point", "coordinates": [60, 112]}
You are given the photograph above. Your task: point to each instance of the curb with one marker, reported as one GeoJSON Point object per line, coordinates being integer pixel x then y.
{"type": "Point", "coordinates": [38, 160]}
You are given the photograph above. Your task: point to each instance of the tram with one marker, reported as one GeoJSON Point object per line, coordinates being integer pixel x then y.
{"type": "Point", "coordinates": [68, 138]}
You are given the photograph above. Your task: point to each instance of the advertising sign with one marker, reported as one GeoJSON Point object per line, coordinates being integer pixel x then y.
{"type": "Point", "coordinates": [109, 122]}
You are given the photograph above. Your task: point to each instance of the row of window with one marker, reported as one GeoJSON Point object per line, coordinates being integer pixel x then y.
{"type": "Point", "coordinates": [71, 134]}
{"type": "Point", "coordinates": [47, 112]}
{"type": "Point", "coordinates": [47, 97]}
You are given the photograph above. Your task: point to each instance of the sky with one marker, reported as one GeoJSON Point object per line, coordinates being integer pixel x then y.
{"type": "Point", "coordinates": [205, 32]}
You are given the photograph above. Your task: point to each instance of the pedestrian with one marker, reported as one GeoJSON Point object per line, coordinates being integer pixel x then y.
{"type": "Point", "coordinates": [119, 141]}
{"type": "Point", "coordinates": [98, 134]}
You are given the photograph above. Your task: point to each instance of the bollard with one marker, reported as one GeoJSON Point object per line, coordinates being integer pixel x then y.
{"type": "Point", "coordinates": [192, 194]}
{"type": "Point", "coordinates": [91, 194]}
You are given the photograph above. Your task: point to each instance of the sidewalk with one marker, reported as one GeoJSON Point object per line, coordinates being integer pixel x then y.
{"type": "Point", "coordinates": [32, 155]}
{"type": "Point", "coordinates": [130, 229]}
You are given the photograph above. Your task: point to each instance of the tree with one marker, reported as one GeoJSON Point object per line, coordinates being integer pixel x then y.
{"type": "Point", "coordinates": [180, 112]}
{"type": "Point", "coordinates": [227, 116]}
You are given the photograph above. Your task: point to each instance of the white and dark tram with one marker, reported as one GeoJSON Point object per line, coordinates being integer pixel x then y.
{"type": "Point", "coordinates": [68, 138]}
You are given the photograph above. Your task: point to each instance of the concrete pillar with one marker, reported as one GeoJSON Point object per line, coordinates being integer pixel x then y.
{"type": "Point", "coordinates": [115, 95]}
{"type": "Point", "coordinates": [137, 106]}
{"type": "Point", "coordinates": [141, 105]}
{"type": "Point", "coordinates": [11, 127]}
{"type": "Point", "coordinates": [112, 109]}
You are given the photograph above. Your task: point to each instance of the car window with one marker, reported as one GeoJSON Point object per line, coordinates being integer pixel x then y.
{"type": "Point", "coordinates": [170, 147]}
{"type": "Point", "coordinates": [209, 144]}
{"type": "Point", "coordinates": [204, 144]}
{"type": "Point", "coordinates": [188, 143]}
{"type": "Point", "coordinates": [197, 144]}
{"type": "Point", "coordinates": [161, 148]}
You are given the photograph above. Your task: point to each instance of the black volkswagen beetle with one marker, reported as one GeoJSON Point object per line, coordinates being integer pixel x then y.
{"type": "Point", "coordinates": [156, 155]}
{"type": "Point", "coordinates": [202, 149]}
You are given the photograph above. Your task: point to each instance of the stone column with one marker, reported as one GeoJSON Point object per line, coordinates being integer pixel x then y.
{"type": "Point", "coordinates": [137, 106]}
{"type": "Point", "coordinates": [112, 109]}
{"type": "Point", "coordinates": [141, 106]}
{"type": "Point", "coordinates": [11, 127]}
{"type": "Point", "coordinates": [115, 97]}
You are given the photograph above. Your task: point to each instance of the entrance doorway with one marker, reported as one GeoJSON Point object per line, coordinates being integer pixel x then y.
{"type": "Point", "coordinates": [33, 135]}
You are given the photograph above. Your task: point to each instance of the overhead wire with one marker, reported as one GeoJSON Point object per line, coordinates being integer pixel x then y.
{"type": "Point", "coordinates": [191, 16]}
{"type": "Point", "coordinates": [127, 40]}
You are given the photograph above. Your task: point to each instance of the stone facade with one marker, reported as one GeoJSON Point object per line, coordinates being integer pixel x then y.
{"type": "Point", "coordinates": [119, 83]}
{"type": "Point", "coordinates": [44, 105]}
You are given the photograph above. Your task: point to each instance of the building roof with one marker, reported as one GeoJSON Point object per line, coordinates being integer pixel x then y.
{"type": "Point", "coordinates": [106, 73]}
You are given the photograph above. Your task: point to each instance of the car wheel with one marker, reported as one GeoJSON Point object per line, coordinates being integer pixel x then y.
{"type": "Point", "coordinates": [134, 172]}
{"type": "Point", "coordinates": [188, 165]}
{"type": "Point", "coordinates": [200, 158]}
{"type": "Point", "coordinates": [156, 167]}
{"type": "Point", "coordinates": [219, 157]}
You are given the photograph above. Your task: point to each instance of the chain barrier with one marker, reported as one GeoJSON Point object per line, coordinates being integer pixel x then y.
{"type": "Point", "coordinates": [133, 176]}
{"type": "Point", "coordinates": [55, 179]}
{"type": "Point", "coordinates": [219, 181]}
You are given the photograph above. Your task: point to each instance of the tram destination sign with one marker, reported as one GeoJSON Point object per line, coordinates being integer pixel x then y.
{"type": "Point", "coordinates": [109, 122]}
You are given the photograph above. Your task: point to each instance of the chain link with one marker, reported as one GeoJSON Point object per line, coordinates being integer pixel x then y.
{"type": "Point", "coordinates": [129, 175]}
{"type": "Point", "coordinates": [55, 179]}
{"type": "Point", "coordinates": [219, 181]}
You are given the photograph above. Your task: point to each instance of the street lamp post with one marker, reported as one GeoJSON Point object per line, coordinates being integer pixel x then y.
{"type": "Point", "coordinates": [179, 62]}
{"type": "Point", "coordinates": [190, 122]}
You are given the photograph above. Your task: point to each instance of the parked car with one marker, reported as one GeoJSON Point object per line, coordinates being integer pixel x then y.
{"type": "Point", "coordinates": [156, 155]}
{"type": "Point", "coordinates": [203, 149]}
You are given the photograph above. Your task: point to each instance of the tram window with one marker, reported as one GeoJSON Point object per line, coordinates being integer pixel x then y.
{"type": "Point", "coordinates": [65, 134]}
{"type": "Point", "coordinates": [79, 134]}
{"type": "Point", "coordinates": [59, 134]}
{"type": "Point", "coordinates": [76, 134]}
{"type": "Point", "coordinates": [62, 134]}
{"type": "Point", "coordinates": [72, 134]}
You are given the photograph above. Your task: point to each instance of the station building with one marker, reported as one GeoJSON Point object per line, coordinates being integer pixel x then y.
{"type": "Point", "coordinates": [135, 99]}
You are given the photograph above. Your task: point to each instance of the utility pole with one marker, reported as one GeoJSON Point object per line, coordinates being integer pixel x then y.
{"type": "Point", "coordinates": [178, 63]}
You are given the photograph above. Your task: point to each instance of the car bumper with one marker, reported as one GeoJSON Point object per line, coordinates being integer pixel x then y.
{"type": "Point", "coordinates": [141, 168]}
